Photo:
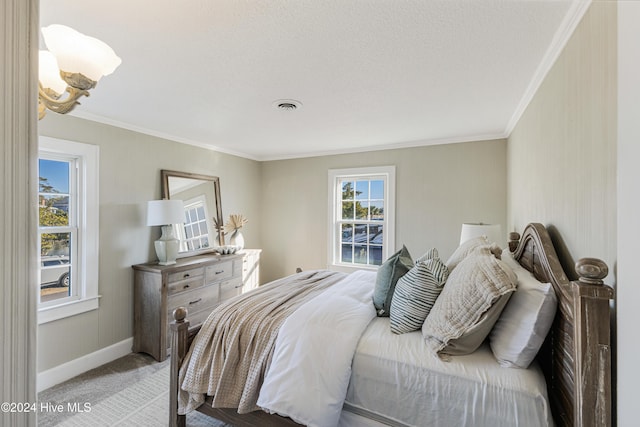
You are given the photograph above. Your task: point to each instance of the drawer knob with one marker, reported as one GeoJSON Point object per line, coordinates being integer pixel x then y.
{"type": "Point", "coordinates": [185, 286]}
{"type": "Point", "coordinates": [186, 275]}
{"type": "Point", "coordinates": [196, 301]}
{"type": "Point", "coordinates": [220, 272]}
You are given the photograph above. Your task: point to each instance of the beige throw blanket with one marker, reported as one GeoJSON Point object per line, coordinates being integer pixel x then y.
{"type": "Point", "coordinates": [231, 354]}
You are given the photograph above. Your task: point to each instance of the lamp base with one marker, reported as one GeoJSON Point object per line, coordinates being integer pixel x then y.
{"type": "Point", "coordinates": [167, 246]}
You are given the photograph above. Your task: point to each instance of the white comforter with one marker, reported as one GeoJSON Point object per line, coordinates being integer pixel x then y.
{"type": "Point", "coordinates": [311, 366]}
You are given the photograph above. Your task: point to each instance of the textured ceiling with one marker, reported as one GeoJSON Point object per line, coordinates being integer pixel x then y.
{"type": "Point", "coordinates": [370, 74]}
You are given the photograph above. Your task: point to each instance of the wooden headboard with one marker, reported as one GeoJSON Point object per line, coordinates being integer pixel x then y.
{"type": "Point", "coordinates": [576, 356]}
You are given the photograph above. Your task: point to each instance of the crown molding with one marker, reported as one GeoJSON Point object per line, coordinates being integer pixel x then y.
{"type": "Point", "coordinates": [571, 20]}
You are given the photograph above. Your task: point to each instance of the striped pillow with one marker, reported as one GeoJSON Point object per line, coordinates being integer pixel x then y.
{"type": "Point", "coordinates": [416, 292]}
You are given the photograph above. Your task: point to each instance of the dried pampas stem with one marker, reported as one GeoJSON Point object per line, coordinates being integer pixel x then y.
{"type": "Point", "coordinates": [236, 221]}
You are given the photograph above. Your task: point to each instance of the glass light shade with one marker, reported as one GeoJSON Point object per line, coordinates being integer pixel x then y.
{"type": "Point", "coordinates": [470, 230]}
{"type": "Point", "coordinates": [49, 73]}
{"type": "Point", "coordinates": [164, 212]}
{"type": "Point", "coordinates": [78, 53]}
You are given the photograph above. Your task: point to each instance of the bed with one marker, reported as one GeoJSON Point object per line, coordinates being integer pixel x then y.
{"type": "Point", "coordinates": [568, 384]}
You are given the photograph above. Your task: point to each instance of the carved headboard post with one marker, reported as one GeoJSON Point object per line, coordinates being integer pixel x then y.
{"type": "Point", "coordinates": [592, 343]}
{"type": "Point", "coordinates": [514, 239]}
{"type": "Point", "coordinates": [576, 357]}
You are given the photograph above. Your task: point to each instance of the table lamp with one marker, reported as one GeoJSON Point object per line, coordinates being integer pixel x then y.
{"type": "Point", "coordinates": [166, 213]}
{"type": "Point", "coordinates": [493, 232]}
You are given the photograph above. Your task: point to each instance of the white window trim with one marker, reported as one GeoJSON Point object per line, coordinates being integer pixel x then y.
{"type": "Point", "coordinates": [88, 246]}
{"type": "Point", "coordinates": [388, 243]}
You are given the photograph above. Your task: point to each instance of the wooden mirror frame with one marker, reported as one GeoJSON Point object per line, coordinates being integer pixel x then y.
{"type": "Point", "coordinates": [166, 174]}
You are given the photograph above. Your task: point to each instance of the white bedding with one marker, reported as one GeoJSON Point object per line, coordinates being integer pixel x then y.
{"type": "Point", "coordinates": [302, 382]}
{"type": "Point", "coordinates": [397, 377]}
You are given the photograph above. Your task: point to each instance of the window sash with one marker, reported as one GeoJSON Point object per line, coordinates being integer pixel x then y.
{"type": "Point", "coordinates": [337, 178]}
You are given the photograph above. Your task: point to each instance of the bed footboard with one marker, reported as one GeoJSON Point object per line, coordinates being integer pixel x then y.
{"type": "Point", "coordinates": [179, 346]}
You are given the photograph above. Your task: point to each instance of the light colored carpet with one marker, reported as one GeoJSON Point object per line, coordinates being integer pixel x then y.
{"type": "Point", "coordinates": [143, 404]}
{"type": "Point", "coordinates": [130, 391]}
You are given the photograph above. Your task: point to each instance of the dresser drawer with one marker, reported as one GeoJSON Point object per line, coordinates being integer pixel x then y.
{"type": "Point", "coordinates": [185, 285]}
{"type": "Point", "coordinates": [220, 271]}
{"type": "Point", "coordinates": [195, 300]}
{"type": "Point", "coordinates": [230, 289]}
{"type": "Point", "coordinates": [186, 274]}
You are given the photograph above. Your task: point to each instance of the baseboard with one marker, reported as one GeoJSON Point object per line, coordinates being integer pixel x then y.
{"type": "Point", "coordinates": [75, 367]}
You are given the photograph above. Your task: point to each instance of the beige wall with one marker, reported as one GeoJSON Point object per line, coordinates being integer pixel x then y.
{"type": "Point", "coordinates": [567, 140]}
{"type": "Point", "coordinates": [437, 189]}
{"type": "Point", "coordinates": [130, 165]}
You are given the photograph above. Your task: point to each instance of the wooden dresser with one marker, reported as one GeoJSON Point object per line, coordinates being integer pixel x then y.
{"type": "Point", "coordinates": [198, 283]}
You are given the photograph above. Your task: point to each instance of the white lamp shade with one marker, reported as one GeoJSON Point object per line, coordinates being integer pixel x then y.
{"type": "Point", "coordinates": [49, 73]}
{"type": "Point", "coordinates": [78, 53]}
{"type": "Point", "coordinates": [164, 212]}
{"type": "Point", "coordinates": [470, 230]}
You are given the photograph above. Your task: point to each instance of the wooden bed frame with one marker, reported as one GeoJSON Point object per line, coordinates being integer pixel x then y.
{"type": "Point", "coordinates": [575, 359]}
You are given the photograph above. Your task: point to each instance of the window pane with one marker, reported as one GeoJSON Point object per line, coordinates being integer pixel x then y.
{"type": "Point", "coordinates": [55, 266]}
{"type": "Point", "coordinates": [53, 192]}
{"type": "Point", "coordinates": [360, 254]}
{"type": "Point", "coordinates": [347, 190]}
{"type": "Point", "coordinates": [347, 233]}
{"type": "Point", "coordinates": [54, 176]}
{"type": "Point", "coordinates": [375, 255]}
{"type": "Point", "coordinates": [362, 210]}
{"type": "Point", "coordinates": [362, 190]}
{"type": "Point", "coordinates": [347, 253]}
{"type": "Point", "coordinates": [375, 234]}
{"type": "Point", "coordinates": [54, 210]}
{"type": "Point", "coordinates": [376, 210]}
{"type": "Point", "coordinates": [347, 210]}
{"type": "Point", "coordinates": [200, 212]}
{"type": "Point", "coordinates": [360, 235]}
{"type": "Point", "coordinates": [377, 189]}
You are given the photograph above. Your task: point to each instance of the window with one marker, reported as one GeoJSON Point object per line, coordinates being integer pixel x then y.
{"type": "Point", "coordinates": [68, 228]}
{"type": "Point", "coordinates": [361, 216]}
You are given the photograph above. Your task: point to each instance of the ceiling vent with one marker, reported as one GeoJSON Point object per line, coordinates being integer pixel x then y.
{"type": "Point", "coordinates": [287, 104]}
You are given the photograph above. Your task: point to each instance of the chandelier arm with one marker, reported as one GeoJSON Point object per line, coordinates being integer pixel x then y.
{"type": "Point", "coordinates": [48, 100]}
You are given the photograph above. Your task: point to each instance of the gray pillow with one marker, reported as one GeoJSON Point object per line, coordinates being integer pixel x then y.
{"type": "Point", "coordinates": [415, 294]}
{"type": "Point", "coordinates": [469, 341]}
{"type": "Point", "coordinates": [388, 274]}
{"type": "Point", "coordinates": [473, 287]}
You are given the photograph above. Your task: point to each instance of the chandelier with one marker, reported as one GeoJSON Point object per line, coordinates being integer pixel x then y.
{"type": "Point", "coordinates": [73, 63]}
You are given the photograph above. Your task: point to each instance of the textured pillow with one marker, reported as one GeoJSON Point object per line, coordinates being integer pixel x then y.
{"type": "Point", "coordinates": [416, 292]}
{"type": "Point", "coordinates": [388, 274]}
{"type": "Point", "coordinates": [473, 287]}
{"type": "Point", "coordinates": [464, 250]}
{"type": "Point", "coordinates": [469, 342]}
{"type": "Point", "coordinates": [523, 325]}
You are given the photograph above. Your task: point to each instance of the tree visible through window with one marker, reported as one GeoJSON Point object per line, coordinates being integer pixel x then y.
{"type": "Point", "coordinates": [362, 221]}
{"type": "Point", "coordinates": [361, 216]}
{"type": "Point", "coordinates": [67, 228]}
{"type": "Point", "coordinates": [57, 229]}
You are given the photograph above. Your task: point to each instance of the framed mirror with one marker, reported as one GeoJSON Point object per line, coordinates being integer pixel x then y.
{"type": "Point", "coordinates": [202, 210]}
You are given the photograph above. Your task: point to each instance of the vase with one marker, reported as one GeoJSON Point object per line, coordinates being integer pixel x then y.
{"type": "Point", "coordinates": [237, 239]}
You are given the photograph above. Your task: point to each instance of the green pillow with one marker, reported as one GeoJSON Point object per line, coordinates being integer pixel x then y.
{"type": "Point", "coordinates": [388, 274]}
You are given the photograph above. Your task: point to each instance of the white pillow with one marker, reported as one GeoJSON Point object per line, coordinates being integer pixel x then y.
{"type": "Point", "coordinates": [523, 325]}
